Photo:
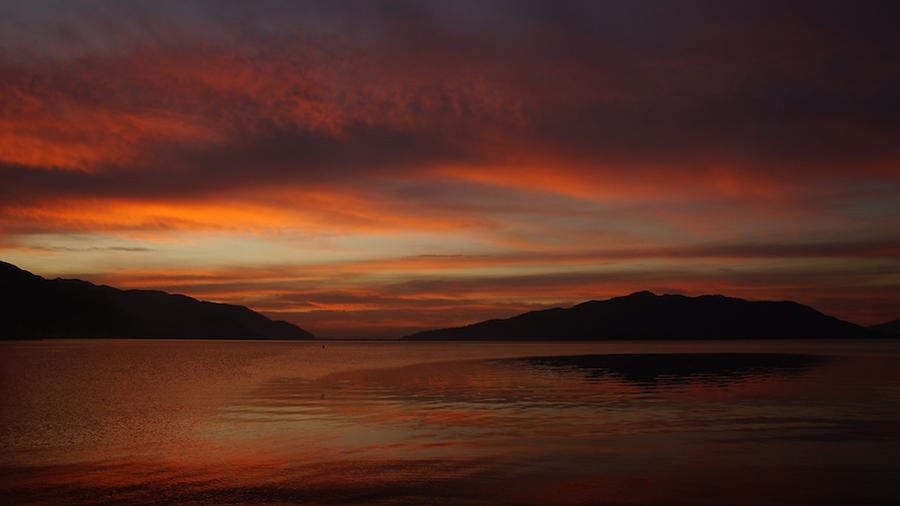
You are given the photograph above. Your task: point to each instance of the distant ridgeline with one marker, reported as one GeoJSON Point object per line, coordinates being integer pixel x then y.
{"type": "Point", "coordinates": [890, 328]}
{"type": "Point", "coordinates": [34, 307]}
{"type": "Point", "coordinates": [644, 315]}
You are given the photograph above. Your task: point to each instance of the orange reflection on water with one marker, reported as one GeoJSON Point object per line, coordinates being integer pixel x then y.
{"type": "Point", "coordinates": [446, 423]}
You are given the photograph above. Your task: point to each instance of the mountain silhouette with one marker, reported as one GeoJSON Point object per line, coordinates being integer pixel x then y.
{"type": "Point", "coordinates": [645, 315]}
{"type": "Point", "coordinates": [33, 307]}
{"type": "Point", "coordinates": [889, 328]}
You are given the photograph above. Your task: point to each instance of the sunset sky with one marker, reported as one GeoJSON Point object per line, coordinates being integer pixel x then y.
{"type": "Point", "coordinates": [370, 169]}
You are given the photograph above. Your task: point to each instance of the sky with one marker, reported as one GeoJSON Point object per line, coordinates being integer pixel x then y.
{"type": "Point", "coordinates": [371, 169]}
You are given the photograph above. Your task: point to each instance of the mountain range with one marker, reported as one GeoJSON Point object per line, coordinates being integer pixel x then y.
{"type": "Point", "coordinates": [34, 307]}
{"type": "Point", "coordinates": [889, 328]}
{"type": "Point", "coordinates": [645, 315]}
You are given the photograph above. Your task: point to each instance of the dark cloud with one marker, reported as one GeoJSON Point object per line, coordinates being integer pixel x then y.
{"type": "Point", "coordinates": [759, 84]}
{"type": "Point", "coordinates": [277, 157]}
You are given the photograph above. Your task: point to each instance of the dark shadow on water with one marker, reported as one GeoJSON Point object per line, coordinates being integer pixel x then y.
{"type": "Point", "coordinates": [652, 368]}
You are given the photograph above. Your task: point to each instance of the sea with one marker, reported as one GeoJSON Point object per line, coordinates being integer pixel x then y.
{"type": "Point", "coordinates": [785, 422]}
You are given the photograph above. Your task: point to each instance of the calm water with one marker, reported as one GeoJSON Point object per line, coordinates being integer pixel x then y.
{"type": "Point", "coordinates": [807, 422]}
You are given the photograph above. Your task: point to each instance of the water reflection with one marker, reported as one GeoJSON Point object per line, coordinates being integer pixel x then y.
{"type": "Point", "coordinates": [616, 428]}
{"type": "Point", "coordinates": [655, 368]}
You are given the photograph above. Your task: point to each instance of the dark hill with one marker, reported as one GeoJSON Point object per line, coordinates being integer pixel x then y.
{"type": "Point", "coordinates": [889, 328]}
{"type": "Point", "coordinates": [644, 315]}
{"type": "Point", "coordinates": [33, 307]}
